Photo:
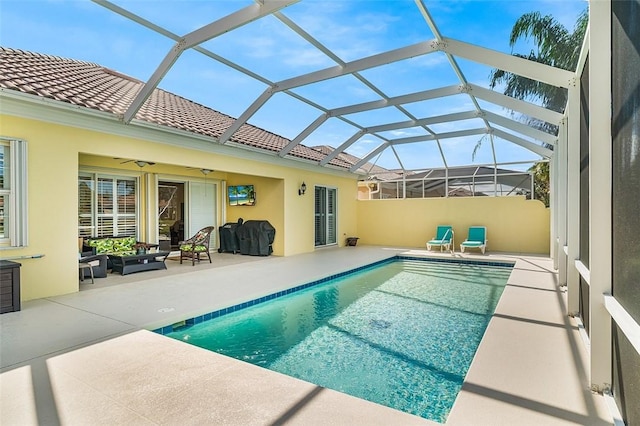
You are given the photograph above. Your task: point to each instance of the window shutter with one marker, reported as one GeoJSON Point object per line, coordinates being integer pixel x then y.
{"type": "Point", "coordinates": [331, 216]}
{"type": "Point", "coordinates": [85, 206]}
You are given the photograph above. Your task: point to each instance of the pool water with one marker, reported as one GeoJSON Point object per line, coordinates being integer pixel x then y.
{"type": "Point", "coordinates": [402, 334]}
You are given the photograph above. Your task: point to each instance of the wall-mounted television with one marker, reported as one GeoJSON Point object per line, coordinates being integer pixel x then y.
{"type": "Point", "coordinates": [241, 195]}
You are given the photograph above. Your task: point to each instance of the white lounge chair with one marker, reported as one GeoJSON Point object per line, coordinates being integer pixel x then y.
{"type": "Point", "coordinates": [477, 239]}
{"type": "Point", "coordinates": [444, 235]}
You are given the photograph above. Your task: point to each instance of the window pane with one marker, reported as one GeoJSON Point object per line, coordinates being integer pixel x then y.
{"type": "Point", "coordinates": [105, 196]}
{"type": "Point", "coordinates": [107, 206]}
{"type": "Point", "coordinates": [4, 167]}
{"type": "Point", "coordinates": [126, 196]}
{"type": "Point", "coordinates": [13, 190]}
{"type": "Point", "coordinates": [126, 226]}
{"type": "Point", "coordinates": [3, 229]}
{"type": "Point", "coordinates": [4, 193]}
{"type": "Point", "coordinates": [85, 206]}
{"type": "Point", "coordinates": [105, 226]}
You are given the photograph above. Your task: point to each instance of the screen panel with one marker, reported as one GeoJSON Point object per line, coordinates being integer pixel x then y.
{"type": "Point", "coordinates": [625, 129]}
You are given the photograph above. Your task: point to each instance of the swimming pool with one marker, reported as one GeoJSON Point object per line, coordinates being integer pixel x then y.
{"type": "Point", "coordinates": [401, 334]}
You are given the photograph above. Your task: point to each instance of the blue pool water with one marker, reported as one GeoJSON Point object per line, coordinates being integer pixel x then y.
{"type": "Point", "coordinates": [402, 334]}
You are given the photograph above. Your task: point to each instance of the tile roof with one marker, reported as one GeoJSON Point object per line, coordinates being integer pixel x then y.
{"type": "Point", "coordinates": [369, 168]}
{"type": "Point", "coordinates": [93, 86]}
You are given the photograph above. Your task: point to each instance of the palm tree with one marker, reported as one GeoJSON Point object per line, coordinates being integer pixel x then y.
{"type": "Point", "coordinates": [556, 46]}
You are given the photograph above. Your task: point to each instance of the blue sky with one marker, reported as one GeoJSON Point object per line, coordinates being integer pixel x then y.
{"type": "Point", "coordinates": [352, 29]}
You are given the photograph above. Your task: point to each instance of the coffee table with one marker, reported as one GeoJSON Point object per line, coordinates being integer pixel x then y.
{"type": "Point", "coordinates": [139, 262]}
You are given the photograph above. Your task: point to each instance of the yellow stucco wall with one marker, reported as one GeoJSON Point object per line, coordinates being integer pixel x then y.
{"type": "Point", "coordinates": [56, 152]}
{"type": "Point", "coordinates": [513, 223]}
{"type": "Point", "coordinates": [268, 206]}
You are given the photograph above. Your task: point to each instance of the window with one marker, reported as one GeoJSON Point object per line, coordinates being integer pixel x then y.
{"type": "Point", "coordinates": [107, 205]}
{"type": "Point", "coordinates": [13, 193]}
{"type": "Point", "coordinates": [325, 216]}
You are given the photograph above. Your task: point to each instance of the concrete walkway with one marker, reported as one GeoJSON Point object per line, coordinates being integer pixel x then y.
{"type": "Point", "coordinates": [89, 359]}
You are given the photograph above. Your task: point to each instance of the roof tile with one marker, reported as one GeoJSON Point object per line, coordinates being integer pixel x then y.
{"type": "Point", "coordinates": [93, 86]}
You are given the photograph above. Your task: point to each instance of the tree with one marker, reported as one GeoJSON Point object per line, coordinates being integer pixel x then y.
{"type": "Point", "coordinates": [541, 183]}
{"type": "Point", "coordinates": [556, 46]}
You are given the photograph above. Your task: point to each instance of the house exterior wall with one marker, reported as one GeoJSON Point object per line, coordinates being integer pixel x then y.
{"type": "Point", "coordinates": [56, 152]}
{"type": "Point", "coordinates": [61, 142]}
{"type": "Point", "coordinates": [513, 223]}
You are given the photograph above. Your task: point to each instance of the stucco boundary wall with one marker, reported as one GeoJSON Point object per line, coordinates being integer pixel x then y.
{"type": "Point", "coordinates": [514, 224]}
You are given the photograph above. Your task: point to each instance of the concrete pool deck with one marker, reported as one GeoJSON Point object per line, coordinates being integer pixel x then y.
{"type": "Point", "coordinates": [88, 358]}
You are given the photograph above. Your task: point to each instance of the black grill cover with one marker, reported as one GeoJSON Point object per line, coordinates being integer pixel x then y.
{"type": "Point", "coordinates": [229, 238]}
{"type": "Point", "coordinates": [255, 237]}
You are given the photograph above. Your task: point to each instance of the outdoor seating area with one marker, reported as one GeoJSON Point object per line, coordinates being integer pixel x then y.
{"type": "Point", "coordinates": [122, 255]}
{"type": "Point", "coordinates": [445, 239]}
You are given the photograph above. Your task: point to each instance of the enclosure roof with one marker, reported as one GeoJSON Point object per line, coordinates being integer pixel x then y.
{"type": "Point", "coordinates": [409, 105]}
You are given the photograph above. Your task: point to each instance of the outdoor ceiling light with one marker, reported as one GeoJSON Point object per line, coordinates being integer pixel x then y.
{"type": "Point", "coordinates": [206, 171]}
{"type": "Point", "coordinates": [303, 189]}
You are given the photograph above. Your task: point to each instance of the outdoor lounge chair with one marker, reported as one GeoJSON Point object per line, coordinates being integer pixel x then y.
{"type": "Point", "coordinates": [443, 238]}
{"type": "Point", "coordinates": [196, 245]}
{"type": "Point", "coordinates": [477, 239]}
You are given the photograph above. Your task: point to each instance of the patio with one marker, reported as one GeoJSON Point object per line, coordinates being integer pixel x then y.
{"type": "Point", "coordinates": [102, 366]}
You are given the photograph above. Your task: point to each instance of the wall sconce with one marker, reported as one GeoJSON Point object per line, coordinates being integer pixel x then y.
{"type": "Point", "coordinates": [303, 189]}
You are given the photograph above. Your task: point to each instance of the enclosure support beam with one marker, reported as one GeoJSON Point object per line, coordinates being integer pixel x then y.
{"type": "Point", "coordinates": [561, 206]}
{"type": "Point", "coordinates": [573, 197]}
{"type": "Point", "coordinates": [520, 66]}
{"type": "Point", "coordinates": [553, 207]}
{"type": "Point", "coordinates": [600, 226]}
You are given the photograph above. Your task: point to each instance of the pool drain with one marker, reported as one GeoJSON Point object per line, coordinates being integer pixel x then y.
{"type": "Point", "coordinates": [380, 324]}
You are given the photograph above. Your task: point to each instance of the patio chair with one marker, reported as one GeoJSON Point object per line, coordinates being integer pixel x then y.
{"type": "Point", "coordinates": [444, 235]}
{"type": "Point", "coordinates": [194, 246]}
{"type": "Point", "coordinates": [477, 239]}
{"type": "Point", "coordinates": [93, 265]}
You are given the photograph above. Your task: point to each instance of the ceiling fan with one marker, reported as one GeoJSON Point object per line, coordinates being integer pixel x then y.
{"type": "Point", "coordinates": [139, 163]}
{"type": "Point", "coordinates": [202, 170]}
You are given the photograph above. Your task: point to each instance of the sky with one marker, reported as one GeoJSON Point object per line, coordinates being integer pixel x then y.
{"type": "Point", "coordinates": [351, 29]}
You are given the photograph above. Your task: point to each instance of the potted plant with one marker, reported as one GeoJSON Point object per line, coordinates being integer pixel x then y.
{"type": "Point", "coordinates": [352, 241]}
{"type": "Point", "coordinates": [140, 248]}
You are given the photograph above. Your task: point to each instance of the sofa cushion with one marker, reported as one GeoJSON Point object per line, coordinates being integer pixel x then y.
{"type": "Point", "coordinates": [123, 244]}
{"type": "Point", "coordinates": [113, 245]}
{"type": "Point", "coordinates": [191, 247]}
